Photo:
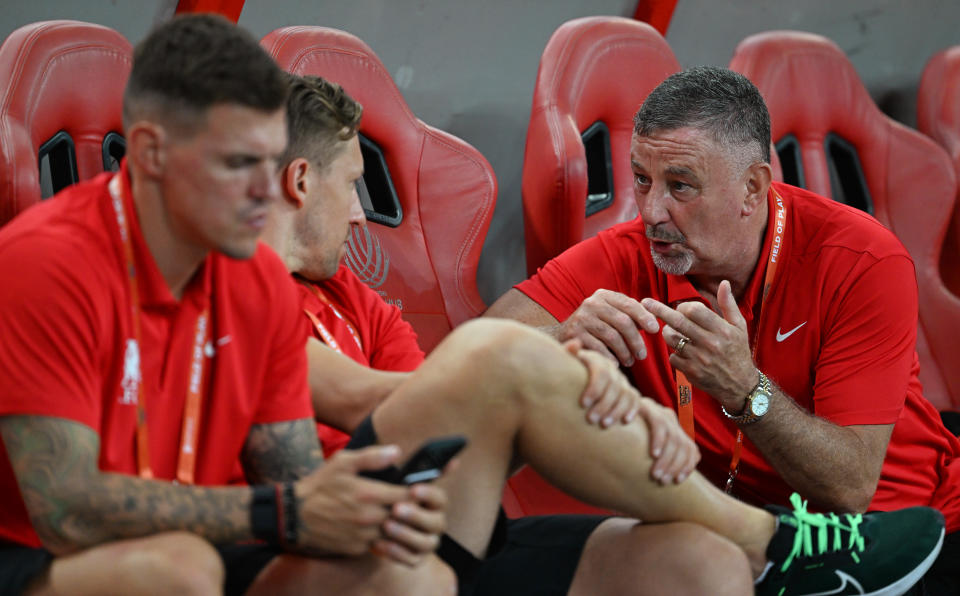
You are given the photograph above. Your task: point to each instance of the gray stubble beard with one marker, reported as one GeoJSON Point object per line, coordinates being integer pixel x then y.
{"type": "Point", "coordinates": [675, 265]}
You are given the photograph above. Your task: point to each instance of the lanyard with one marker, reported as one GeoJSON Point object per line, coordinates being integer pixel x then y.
{"type": "Point", "coordinates": [186, 461]}
{"type": "Point", "coordinates": [685, 388]}
{"type": "Point", "coordinates": [325, 333]}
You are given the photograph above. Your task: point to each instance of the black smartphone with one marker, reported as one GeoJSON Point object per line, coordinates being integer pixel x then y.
{"type": "Point", "coordinates": [425, 464]}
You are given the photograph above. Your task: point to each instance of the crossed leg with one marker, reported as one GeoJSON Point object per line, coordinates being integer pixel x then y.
{"type": "Point", "coordinates": [514, 392]}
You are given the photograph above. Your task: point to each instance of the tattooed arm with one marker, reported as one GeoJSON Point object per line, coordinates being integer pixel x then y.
{"type": "Point", "coordinates": [73, 505]}
{"type": "Point", "coordinates": [281, 451]}
{"type": "Point", "coordinates": [336, 507]}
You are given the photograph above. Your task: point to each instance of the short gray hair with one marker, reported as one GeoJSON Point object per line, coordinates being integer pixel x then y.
{"type": "Point", "coordinates": [710, 98]}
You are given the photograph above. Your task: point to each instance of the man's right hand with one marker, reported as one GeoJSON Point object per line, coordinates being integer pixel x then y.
{"type": "Point", "coordinates": [610, 322]}
{"type": "Point", "coordinates": [341, 512]}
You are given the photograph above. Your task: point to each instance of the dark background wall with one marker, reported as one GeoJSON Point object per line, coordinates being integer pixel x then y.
{"type": "Point", "coordinates": [468, 67]}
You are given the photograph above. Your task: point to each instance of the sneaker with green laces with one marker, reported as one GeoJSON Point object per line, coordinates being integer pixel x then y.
{"type": "Point", "coordinates": [873, 554]}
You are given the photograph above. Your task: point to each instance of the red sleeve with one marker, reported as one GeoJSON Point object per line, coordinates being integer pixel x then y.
{"type": "Point", "coordinates": [391, 343]}
{"type": "Point", "coordinates": [866, 358]}
{"type": "Point", "coordinates": [564, 282]}
{"type": "Point", "coordinates": [51, 329]}
{"type": "Point", "coordinates": [286, 394]}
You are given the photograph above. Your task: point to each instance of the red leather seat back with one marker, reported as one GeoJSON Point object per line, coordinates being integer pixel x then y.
{"type": "Point", "coordinates": [812, 89]}
{"type": "Point", "coordinates": [938, 116]}
{"type": "Point", "coordinates": [57, 76]}
{"type": "Point", "coordinates": [427, 265]}
{"type": "Point", "coordinates": [593, 69]}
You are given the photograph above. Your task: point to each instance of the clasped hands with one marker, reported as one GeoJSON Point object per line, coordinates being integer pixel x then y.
{"type": "Point", "coordinates": [716, 358]}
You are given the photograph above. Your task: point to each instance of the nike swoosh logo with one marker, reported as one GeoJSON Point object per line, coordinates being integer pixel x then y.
{"type": "Point", "coordinates": [783, 336]}
{"type": "Point", "coordinates": [844, 580]}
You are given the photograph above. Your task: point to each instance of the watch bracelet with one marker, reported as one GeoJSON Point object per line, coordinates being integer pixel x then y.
{"type": "Point", "coordinates": [744, 417]}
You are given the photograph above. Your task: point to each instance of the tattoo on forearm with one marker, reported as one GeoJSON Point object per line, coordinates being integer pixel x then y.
{"type": "Point", "coordinates": [281, 451]}
{"type": "Point", "coordinates": [73, 505]}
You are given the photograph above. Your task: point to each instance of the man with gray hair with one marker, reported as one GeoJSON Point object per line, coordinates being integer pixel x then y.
{"type": "Point", "coordinates": [781, 325]}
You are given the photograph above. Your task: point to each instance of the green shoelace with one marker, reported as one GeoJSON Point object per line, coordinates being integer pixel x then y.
{"type": "Point", "coordinates": [803, 543]}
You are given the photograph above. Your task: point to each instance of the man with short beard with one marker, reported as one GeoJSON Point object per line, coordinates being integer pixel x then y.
{"type": "Point", "coordinates": [788, 320]}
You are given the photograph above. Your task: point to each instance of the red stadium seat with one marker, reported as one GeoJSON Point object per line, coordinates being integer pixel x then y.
{"type": "Point", "coordinates": [431, 195]}
{"type": "Point", "coordinates": [62, 90]}
{"type": "Point", "coordinates": [594, 74]}
{"type": "Point", "coordinates": [833, 140]}
{"type": "Point", "coordinates": [938, 116]}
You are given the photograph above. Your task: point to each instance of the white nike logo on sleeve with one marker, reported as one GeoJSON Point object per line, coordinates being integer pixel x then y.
{"type": "Point", "coordinates": [783, 336]}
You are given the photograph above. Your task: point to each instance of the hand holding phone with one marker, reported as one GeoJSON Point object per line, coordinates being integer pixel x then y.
{"type": "Point", "coordinates": [425, 464]}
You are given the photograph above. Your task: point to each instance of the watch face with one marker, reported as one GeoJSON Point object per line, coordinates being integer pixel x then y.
{"type": "Point", "coordinates": [759, 404]}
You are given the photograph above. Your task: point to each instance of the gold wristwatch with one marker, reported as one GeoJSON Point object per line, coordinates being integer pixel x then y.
{"type": "Point", "coordinates": [757, 404]}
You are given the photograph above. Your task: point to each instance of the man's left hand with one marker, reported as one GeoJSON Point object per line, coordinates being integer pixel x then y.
{"type": "Point", "coordinates": [609, 398]}
{"type": "Point", "coordinates": [716, 356]}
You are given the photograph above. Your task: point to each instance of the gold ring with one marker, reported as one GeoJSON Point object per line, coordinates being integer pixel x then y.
{"type": "Point", "coordinates": [681, 345]}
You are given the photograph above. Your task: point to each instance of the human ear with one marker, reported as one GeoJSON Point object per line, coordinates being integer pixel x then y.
{"type": "Point", "coordinates": [295, 181]}
{"type": "Point", "coordinates": [757, 182]}
{"type": "Point", "coordinates": [146, 147]}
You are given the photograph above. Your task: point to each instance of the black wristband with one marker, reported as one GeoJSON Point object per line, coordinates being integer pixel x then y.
{"type": "Point", "coordinates": [264, 515]}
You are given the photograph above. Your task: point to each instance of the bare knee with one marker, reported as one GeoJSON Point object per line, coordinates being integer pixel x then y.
{"type": "Point", "coordinates": [368, 575]}
{"type": "Point", "coordinates": [491, 339]}
{"type": "Point", "coordinates": [178, 563]}
{"type": "Point", "coordinates": [704, 562]}
{"type": "Point", "coordinates": [715, 565]}
{"type": "Point", "coordinates": [175, 562]}
{"type": "Point", "coordinates": [433, 577]}
{"type": "Point", "coordinates": [626, 557]}
{"type": "Point", "coordinates": [516, 361]}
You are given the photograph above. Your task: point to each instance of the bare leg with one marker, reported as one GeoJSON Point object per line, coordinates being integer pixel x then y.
{"type": "Point", "coordinates": [353, 576]}
{"type": "Point", "coordinates": [170, 563]}
{"type": "Point", "coordinates": [624, 557]}
{"type": "Point", "coordinates": [513, 390]}
{"type": "Point", "coordinates": [182, 563]}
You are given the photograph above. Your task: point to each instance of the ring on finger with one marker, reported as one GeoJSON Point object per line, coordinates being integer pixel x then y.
{"type": "Point", "coordinates": [681, 345]}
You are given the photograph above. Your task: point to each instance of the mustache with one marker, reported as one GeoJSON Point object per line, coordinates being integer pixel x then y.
{"type": "Point", "coordinates": [659, 233]}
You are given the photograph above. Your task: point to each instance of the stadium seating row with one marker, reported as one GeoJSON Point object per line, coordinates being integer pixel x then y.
{"type": "Point", "coordinates": [431, 195]}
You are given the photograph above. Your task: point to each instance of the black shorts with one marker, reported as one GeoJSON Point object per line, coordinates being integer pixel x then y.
{"type": "Point", "coordinates": [20, 565]}
{"type": "Point", "coordinates": [530, 555]}
{"type": "Point", "coordinates": [540, 556]}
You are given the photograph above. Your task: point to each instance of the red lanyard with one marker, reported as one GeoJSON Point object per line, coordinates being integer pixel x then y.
{"type": "Point", "coordinates": [325, 333]}
{"type": "Point", "coordinates": [685, 389]}
{"type": "Point", "coordinates": [186, 462]}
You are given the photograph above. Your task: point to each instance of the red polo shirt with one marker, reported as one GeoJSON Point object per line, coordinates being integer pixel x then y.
{"type": "Point", "coordinates": [837, 335]}
{"type": "Point", "coordinates": [383, 340]}
{"type": "Point", "coordinates": [65, 320]}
